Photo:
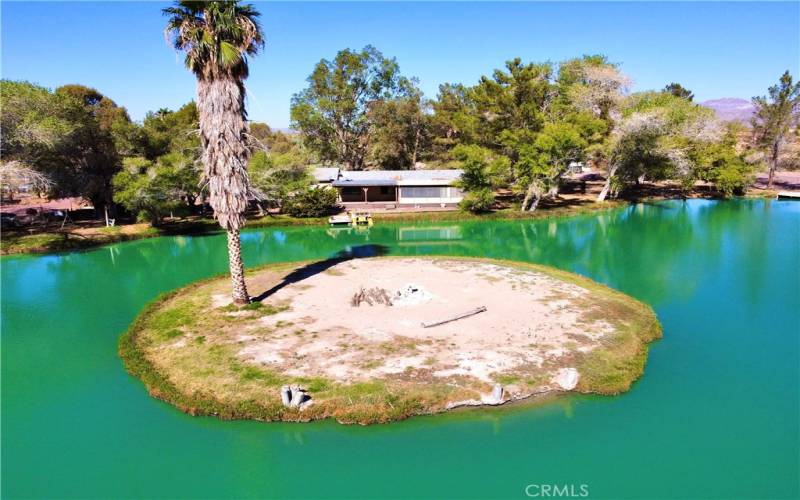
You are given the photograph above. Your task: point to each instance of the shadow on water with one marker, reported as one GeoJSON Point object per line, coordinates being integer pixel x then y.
{"type": "Point", "coordinates": [349, 253]}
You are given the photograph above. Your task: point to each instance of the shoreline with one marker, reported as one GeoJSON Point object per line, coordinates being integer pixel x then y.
{"type": "Point", "coordinates": [66, 241]}
{"type": "Point", "coordinates": [54, 242]}
{"type": "Point", "coordinates": [608, 377]}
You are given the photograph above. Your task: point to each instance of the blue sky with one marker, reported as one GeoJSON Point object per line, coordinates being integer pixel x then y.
{"type": "Point", "coordinates": [715, 49]}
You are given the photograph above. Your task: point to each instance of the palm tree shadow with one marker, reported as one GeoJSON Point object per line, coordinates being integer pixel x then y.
{"type": "Point", "coordinates": [301, 273]}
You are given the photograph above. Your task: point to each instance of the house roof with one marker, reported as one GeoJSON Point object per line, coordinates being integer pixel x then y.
{"type": "Point", "coordinates": [325, 174]}
{"type": "Point", "coordinates": [397, 178]}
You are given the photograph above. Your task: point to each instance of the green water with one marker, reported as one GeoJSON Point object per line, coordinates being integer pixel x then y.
{"type": "Point", "coordinates": [716, 414]}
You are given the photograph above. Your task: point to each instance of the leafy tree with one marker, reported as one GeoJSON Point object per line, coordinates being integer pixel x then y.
{"type": "Point", "coordinates": [482, 170]}
{"type": "Point", "coordinates": [14, 175]}
{"type": "Point", "coordinates": [543, 162]}
{"type": "Point", "coordinates": [510, 105]}
{"type": "Point", "coordinates": [276, 141]}
{"type": "Point", "coordinates": [148, 190]}
{"type": "Point", "coordinates": [478, 200]}
{"type": "Point", "coordinates": [666, 137]}
{"type": "Point", "coordinates": [454, 120]}
{"type": "Point", "coordinates": [183, 174]}
{"type": "Point", "coordinates": [217, 37]}
{"type": "Point", "coordinates": [398, 131]}
{"type": "Point", "coordinates": [311, 202]}
{"type": "Point", "coordinates": [775, 116]}
{"type": "Point", "coordinates": [66, 135]}
{"type": "Point", "coordinates": [599, 87]}
{"type": "Point", "coordinates": [679, 90]}
{"type": "Point", "coordinates": [166, 131]}
{"type": "Point", "coordinates": [277, 176]}
{"type": "Point", "coordinates": [333, 111]}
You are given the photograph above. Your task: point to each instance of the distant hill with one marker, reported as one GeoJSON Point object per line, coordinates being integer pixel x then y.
{"type": "Point", "coordinates": [731, 109]}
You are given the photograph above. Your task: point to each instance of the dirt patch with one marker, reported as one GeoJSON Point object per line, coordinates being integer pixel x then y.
{"type": "Point", "coordinates": [536, 330]}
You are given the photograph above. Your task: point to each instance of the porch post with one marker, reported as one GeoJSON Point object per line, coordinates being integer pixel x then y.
{"type": "Point", "coordinates": [365, 194]}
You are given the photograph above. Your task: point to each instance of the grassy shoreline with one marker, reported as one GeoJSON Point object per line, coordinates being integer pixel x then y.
{"type": "Point", "coordinates": [71, 240]}
{"type": "Point", "coordinates": [61, 241]}
{"type": "Point", "coordinates": [610, 370]}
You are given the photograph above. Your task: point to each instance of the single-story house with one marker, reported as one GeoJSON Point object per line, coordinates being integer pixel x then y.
{"type": "Point", "coordinates": [400, 187]}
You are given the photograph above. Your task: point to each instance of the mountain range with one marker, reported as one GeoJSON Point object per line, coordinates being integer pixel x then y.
{"type": "Point", "coordinates": [731, 109]}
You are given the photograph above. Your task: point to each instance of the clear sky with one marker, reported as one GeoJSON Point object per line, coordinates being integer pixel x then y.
{"type": "Point", "coordinates": [714, 49]}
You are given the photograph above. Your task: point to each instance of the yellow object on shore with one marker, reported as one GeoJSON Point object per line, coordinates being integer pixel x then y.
{"type": "Point", "coordinates": [352, 219]}
{"type": "Point", "coordinates": [361, 218]}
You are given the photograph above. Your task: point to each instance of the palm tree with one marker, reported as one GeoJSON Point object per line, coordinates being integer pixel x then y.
{"type": "Point", "coordinates": [217, 37]}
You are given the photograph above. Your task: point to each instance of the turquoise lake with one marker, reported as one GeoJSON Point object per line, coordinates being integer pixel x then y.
{"type": "Point", "coordinates": [716, 414]}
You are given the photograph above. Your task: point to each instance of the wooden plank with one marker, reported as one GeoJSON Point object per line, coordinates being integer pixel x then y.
{"type": "Point", "coordinates": [467, 314]}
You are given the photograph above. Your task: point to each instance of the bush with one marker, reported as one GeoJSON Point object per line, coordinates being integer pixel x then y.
{"type": "Point", "coordinates": [733, 179]}
{"type": "Point", "coordinates": [477, 201]}
{"type": "Point", "coordinates": [312, 202]}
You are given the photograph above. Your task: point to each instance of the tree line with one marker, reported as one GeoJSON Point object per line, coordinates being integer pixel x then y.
{"type": "Point", "coordinates": [75, 141]}
{"type": "Point", "coordinates": [519, 128]}
{"type": "Point", "coordinates": [522, 126]}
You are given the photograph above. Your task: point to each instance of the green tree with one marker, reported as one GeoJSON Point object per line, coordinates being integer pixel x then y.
{"type": "Point", "coordinates": [510, 105]}
{"type": "Point", "coordinates": [679, 90]}
{"type": "Point", "coordinates": [332, 112]}
{"type": "Point", "coordinates": [398, 131]}
{"type": "Point", "coordinates": [66, 135]}
{"type": "Point", "coordinates": [775, 116]}
{"type": "Point", "coordinates": [663, 137]}
{"type": "Point", "coordinates": [482, 170]}
{"type": "Point", "coordinates": [217, 37]}
{"type": "Point", "coordinates": [148, 190]}
{"type": "Point", "coordinates": [166, 131]}
{"type": "Point", "coordinates": [543, 162]}
{"type": "Point", "coordinates": [311, 202]}
{"type": "Point", "coordinates": [277, 176]}
{"type": "Point", "coordinates": [454, 120]}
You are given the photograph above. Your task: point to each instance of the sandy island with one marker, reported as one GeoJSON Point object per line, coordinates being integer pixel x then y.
{"type": "Point", "coordinates": [542, 331]}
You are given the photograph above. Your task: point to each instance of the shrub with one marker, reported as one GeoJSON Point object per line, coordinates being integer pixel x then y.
{"type": "Point", "coordinates": [479, 200]}
{"type": "Point", "coordinates": [733, 178]}
{"type": "Point", "coordinates": [312, 202]}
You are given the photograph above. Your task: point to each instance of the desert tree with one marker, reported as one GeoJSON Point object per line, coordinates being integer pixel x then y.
{"type": "Point", "coordinates": [14, 175]}
{"type": "Point", "coordinates": [216, 38]}
{"type": "Point", "coordinates": [333, 111]}
{"type": "Point", "coordinates": [775, 116]}
{"type": "Point", "coordinates": [679, 90]}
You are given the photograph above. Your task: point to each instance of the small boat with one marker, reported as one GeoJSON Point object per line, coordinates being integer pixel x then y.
{"type": "Point", "coordinates": [789, 195]}
{"type": "Point", "coordinates": [351, 219]}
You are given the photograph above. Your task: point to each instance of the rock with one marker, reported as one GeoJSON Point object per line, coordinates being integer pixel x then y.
{"type": "Point", "coordinates": [299, 398]}
{"type": "Point", "coordinates": [497, 393]}
{"type": "Point", "coordinates": [566, 378]}
{"type": "Point", "coordinates": [411, 295]}
{"type": "Point", "coordinates": [286, 395]}
{"type": "Point", "coordinates": [295, 397]}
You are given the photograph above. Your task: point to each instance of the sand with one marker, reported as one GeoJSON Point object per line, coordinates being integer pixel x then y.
{"type": "Point", "coordinates": [531, 326]}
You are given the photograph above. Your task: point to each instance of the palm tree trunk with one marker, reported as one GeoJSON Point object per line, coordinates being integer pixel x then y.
{"type": "Point", "coordinates": [223, 131]}
{"type": "Point", "coordinates": [240, 295]}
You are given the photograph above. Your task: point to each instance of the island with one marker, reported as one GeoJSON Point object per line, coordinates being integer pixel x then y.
{"type": "Point", "coordinates": [373, 340]}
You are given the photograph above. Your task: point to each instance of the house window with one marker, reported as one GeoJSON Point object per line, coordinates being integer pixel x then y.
{"type": "Point", "coordinates": [424, 192]}
{"type": "Point", "coordinates": [352, 191]}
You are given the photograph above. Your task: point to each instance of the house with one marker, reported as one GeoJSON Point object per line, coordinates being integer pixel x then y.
{"type": "Point", "coordinates": [414, 188]}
